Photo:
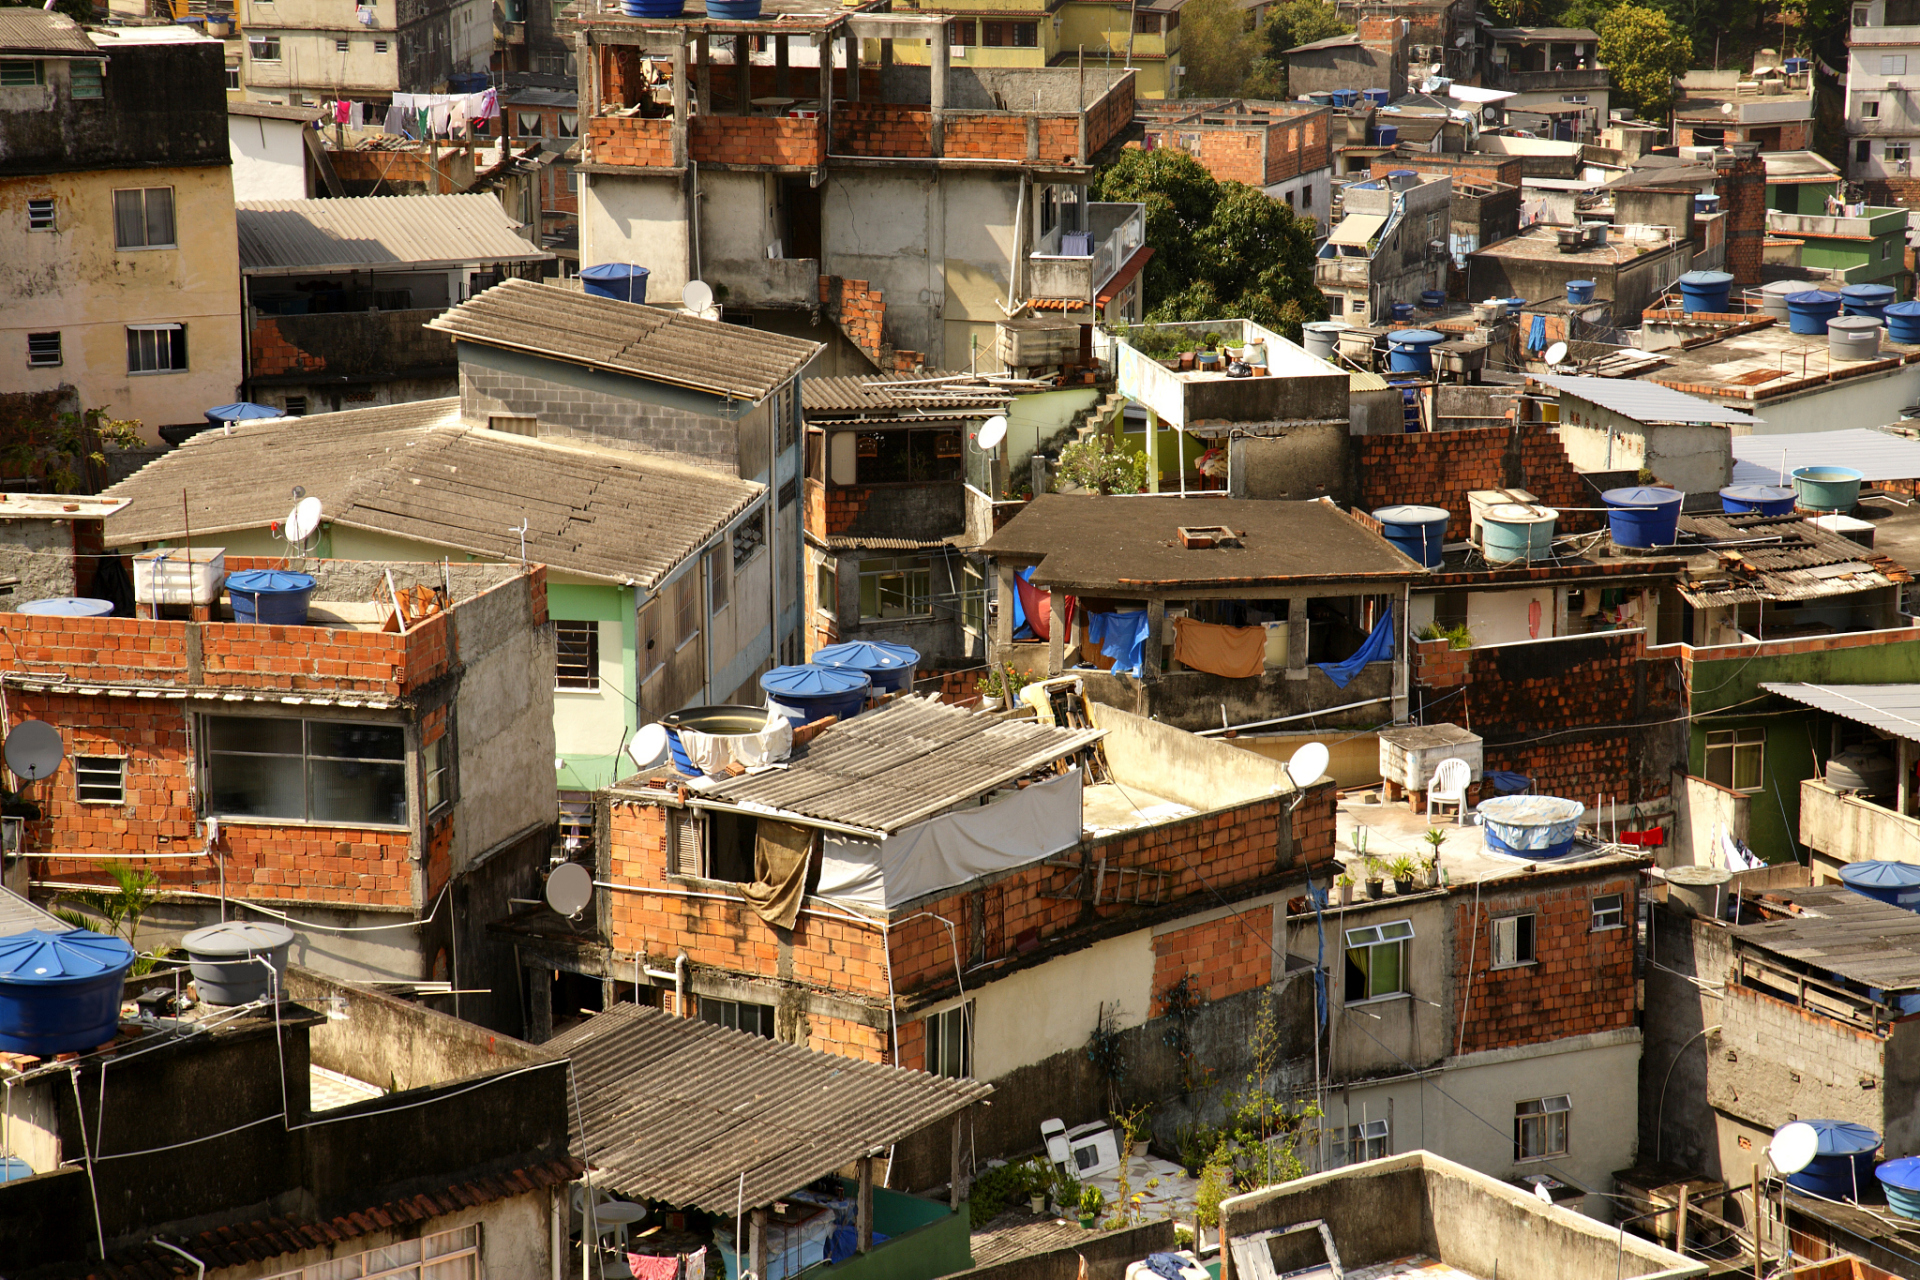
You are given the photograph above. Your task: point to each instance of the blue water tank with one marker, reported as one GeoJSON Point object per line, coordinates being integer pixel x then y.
{"type": "Point", "coordinates": [1580, 292]}
{"type": "Point", "coordinates": [1386, 135]}
{"type": "Point", "coordinates": [1843, 1167]}
{"type": "Point", "coordinates": [1895, 883]}
{"type": "Point", "coordinates": [889, 666]}
{"type": "Point", "coordinates": [1420, 532]}
{"type": "Point", "coordinates": [1705, 291]}
{"type": "Point", "coordinates": [1756, 499]}
{"type": "Point", "coordinates": [60, 992]}
{"type": "Point", "coordinates": [1809, 312]}
{"type": "Point", "coordinates": [807, 693]}
{"type": "Point", "coordinates": [1433, 299]}
{"type": "Point", "coordinates": [1403, 311]}
{"type": "Point", "coordinates": [1643, 515]}
{"type": "Point", "coordinates": [621, 281]}
{"type": "Point", "coordinates": [1344, 97]}
{"type": "Point", "coordinates": [1515, 305]}
{"type": "Point", "coordinates": [734, 10]}
{"type": "Point", "coordinates": [270, 597]}
{"type": "Point", "coordinates": [1867, 299]}
{"type": "Point", "coordinates": [68, 607]}
{"type": "Point", "coordinates": [13, 1168]}
{"type": "Point", "coordinates": [1900, 1179]}
{"type": "Point", "coordinates": [242, 411]}
{"type": "Point", "coordinates": [1411, 350]}
{"type": "Point", "coordinates": [1903, 322]}
{"type": "Point", "coordinates": [653, 8]}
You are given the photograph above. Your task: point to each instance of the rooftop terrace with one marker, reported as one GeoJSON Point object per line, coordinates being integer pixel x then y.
{"type": "Point", "coordinates": [1755, 359]}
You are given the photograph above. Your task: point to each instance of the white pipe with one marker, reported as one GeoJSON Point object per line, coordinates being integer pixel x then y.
{"type": "Point", "coordinates": [174, 1248]}
{"type": "Point", "coordinates": [1305, 715]}
{"type": "Point", "coordinates": [680, 985]}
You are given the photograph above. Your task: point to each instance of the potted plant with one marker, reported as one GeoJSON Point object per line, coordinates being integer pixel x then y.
{"type": "Point", "coordinates": [1345, 883]}
{"type": "Point", "coordinates": [992, 692]}
{"type": "Point", "coordinates": [1376, 885]}
{"type": "Point", "coordinates": [1066, 1192]}
{"type": "Point", "coordinates": [1092, 1201]}
{"type": "Point", "coordinates": [1435, 837]}
{"type": "Point", "coordinates": [1403, 869]}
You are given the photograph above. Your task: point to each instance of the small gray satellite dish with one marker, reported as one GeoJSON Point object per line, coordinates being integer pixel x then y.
{"type": "Point", "coordinates": [1308, 764]}
{"type": "Point", "coordinates": [1557, 353]}
{"type": "Point", "coordinates": [992, 432]}
{"type": "Point", "coordinates": [34, 749]}
{"type": "Point", "coordinates": [697, 296]}
{"type": "Point", "coordinates": [569, 888]}
{"type": "Point", "coordinates": [649, 746]}
{"type": "Point", "coordinates": [1793, 1147]}
{"type": "Point", "coordinates": [303, 520]}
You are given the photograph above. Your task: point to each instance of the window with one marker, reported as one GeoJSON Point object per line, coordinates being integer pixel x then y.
{"type": "Point", "coordinates": [1146, 24]}
{"type": "Point", "coordinates": [156, 348]}
{"type": "Point", "coordinates": [433, 768]}
{"type": "Point", "coordinates": [907, 457]}
{"type": "Point", "coordinates": [973, 598]}
{"type": "Point", "coordinates": [1736, 758]}
{"type": "Point", "coordinates": [901, 587]}
{"type": "Point", "coordinates": [1893, 64]}
{"type": "Point", "coordinates": [43, 350]}
{"type": "Point", "coordinates": [569, 124]}
{"type": "Point", "coordinates": [1609, 911]}
{"type": "Point", "coordinates": [1377, 960]}
{"type": "Point", "coordinates": [686, 844]}
{"type": "Point", "coordinates": [950, 1042]}
{"type": "Point", "coordinates": [1358, 1142]}
{"type": "Point", "coordinates": [296, 406]}
{"type": "Point", "coordinates": [1010, 35]}
{"type": "Point", "coordinates": [1896, 152]}
{"type": "Point", "coordinates": [748, 537]}
{"type": "Point", "coordinates": [143, 218]}
{"type": "Point", "coordinates": [1862, 151]}
{"type": "Point", "coordinates": [379, 46]}
{"type": "Point", "coordinates": [686, 610]}
{"type": "Point", "coordinates": [450, 1255]}
{"type": "Point", "coordinates": [826, 587]}
{"type": "Point", "coordinates": [264, 48]}
{"type": "Point", "coordinates": [87, 79]}
{"type": "Point", "coordinates": [1886, 250]}
{"type": "Point", "coordinates": [1336, 304]}
{"type": "Point", "coordinates": [350, 772]}
{"type": "Point", "coordinates": [576, 655]}
{"type": "Point", "coordinates": [100, 779]}
{"type": "Point", "coordinates": [1859, 15]}
{"type": "Point", "coordinates": [22, 73]}
{"type": "Point", "coordinates": [719, 579]}
{"type": "Point", "coordinates": [962, 33]}
{"type": "Point", "coordinates": [1870, 108]}
{"type": "Point", "coordinates": [653, 654]}
{"type": "Point", "coordinates": [1512, 941]}
{"type": "Point", "coordinates": [339, 46]}
{"type": "Point", "coordinates": [1306, 197]}
{"type": "Point", "coordinates": [233, 78]}
{"type": "Point", "coordinates": [531, 124]}
{"type": "Point", "coordinates": [1540, 1128]}
{"type": "Point", "coordinates": [737, 1015]}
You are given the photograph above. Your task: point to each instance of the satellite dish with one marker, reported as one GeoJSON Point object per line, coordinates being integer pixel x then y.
{"type": "Point", "coordinates": [1308, 764]}
{"type": "Point", "coordinates": [649, 746]}
{"type": "Point", "coordinates": [1557, 353]}
{"type": "Point", "coordinates": [34, 749]}
{"type": "Point", "coordinates": [1726, 108]}
{"type": "Point", "coordinates": [697, 296]}
{"type": "Point", "coordinates": [992, 432]}
{"type": "Point", "coordinates": [304, 520]}
{"type": "Point", "coordinates": [1460, 42]}
{"type": "Point", "coordinates": [569, 888]}
{"type": "Point", "coordinates": [1793, 1147]}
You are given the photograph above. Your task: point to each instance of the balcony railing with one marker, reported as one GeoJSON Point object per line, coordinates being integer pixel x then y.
{"type": "Point", "coordinates": [1077, 265]}
{"type": "Point", "coordinates": [1873, 221]}
{"type": "Point", "coordinates": [1547, 81]}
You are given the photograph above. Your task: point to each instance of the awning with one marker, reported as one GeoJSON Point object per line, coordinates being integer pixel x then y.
{"type": "Point", "coordinates": [1132, 267]}
{"type": "Point", "coordinates": [1474, 93]}
{"type": "Point", "coordinates": [1891, 708]}
{"type": "Point", "coordinates": [1358, 228]}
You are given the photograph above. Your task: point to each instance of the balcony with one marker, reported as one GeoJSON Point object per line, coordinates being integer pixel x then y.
{"type": "Point", "coordinates": [1077, 265]}
{"type": "Point", "coordinates": [1839, 827]}
{"type": "Point", "coordinates": [1883, 36]}
{"type": "Point", "coordinates": [1874, 221]}
{"type": "Point", "coordinates": [1573, 81]}
{"type": "Point", "coordinates": [792, 283]}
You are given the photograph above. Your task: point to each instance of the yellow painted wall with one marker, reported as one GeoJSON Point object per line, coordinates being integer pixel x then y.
{"type": "Point", "coordinates": [73, 281]}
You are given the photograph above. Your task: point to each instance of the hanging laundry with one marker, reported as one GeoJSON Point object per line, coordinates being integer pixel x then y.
{"type": "Point", "coordinates": [1038, 605]}
{"type": "Point", "coordinates": [340, 112]}
{"type": "Point", "coordinates": [1234, 652]}
{"type": "Point", "coordinates": [1378, 647]}
{"type": "Point", "coordinates": [1123, 637]}
{"type": "Point", "coordinates": [396, 123]}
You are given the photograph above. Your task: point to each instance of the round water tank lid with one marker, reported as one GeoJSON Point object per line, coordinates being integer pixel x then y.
{"type": "Point", "coordinates": [1854, 324]}
{"type": "Point", "coordinates": [68, 607]}
{"type": "Point", "coordinates": [1643, 495]}
{"type": "Point", "coordinates": [1814, 298]}
{"type": "Point", "coordinates": [39, 957]}
{"type": "Point", "coordinates": [809, 680]}
{"type": "Point", "coordinates": [236, 938]}
{"type": "Point", "coordinates": [1706, 279]}
{"type": "Point", "coordinates": [1903, 309]}
{"type": "Point", "coordinates": [269, 580]}
{"type": "Point", "coordinates": [1903, 1173]}
{"type": "Point", "coordinates": [1411, 514]}
{"type": "Point", "coordinates": [866, 655]}
{"type": "Point", "coordinates": [1515, 513]}
{"type": "Point", "coordinates": [1881, 874]}
{"type": "Point", "coordinates": [1757, 492]}
{"type": "Point", "coordinates": [13, 1168]}
{"type": "Point", "coordinates": [1842, 1137]}
{"type": "Point", "coordinates": [1697, 876]}
{"type": "Point", "coordinates": [1415, 337]}
{"type": "Point", "coordinates": [1867, 291]}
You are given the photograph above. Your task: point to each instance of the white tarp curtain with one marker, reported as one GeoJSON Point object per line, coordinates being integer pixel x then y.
{"type": "Point", "coordinates": [954, 848]}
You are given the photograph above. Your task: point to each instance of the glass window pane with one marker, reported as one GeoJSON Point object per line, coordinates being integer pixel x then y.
{"type": "Point", "coordinates": [1386, 969]}
{"type": "Point", "coordinates": [256, 786]}
{"type": "Point", "coordinates": [354, 791]}
{"type": "Point", "coordinates": [240, 733]}
{"type": "Point", "coordinates": [129, 220]}
{"type": "Point", "coordinates": [159, 215]}
{"type": "Point", "coordinates": [356, 741]}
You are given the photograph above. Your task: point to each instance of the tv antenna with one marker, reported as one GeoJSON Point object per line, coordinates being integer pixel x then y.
{"type": "Point", "coordinates": [34, 750]}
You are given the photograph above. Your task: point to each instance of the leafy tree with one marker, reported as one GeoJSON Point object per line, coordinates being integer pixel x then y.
{"type": "Point", "coordinates": [1640, 46]}
{"type": "Point", "coordinates": [78, 10]}
{"type": "Point", "coordinates": [68, 455]}
{"type": "Point", "coordinates": [1179, 194]}
{"type": "Point", "coordinates": [1292, 23]}
{"type": "Point", "coordinates": [1100, 464]}
{"type": "Point", "coordinates": [119, 907]}
{"type": "Point", "coordinates": [1215, 48]}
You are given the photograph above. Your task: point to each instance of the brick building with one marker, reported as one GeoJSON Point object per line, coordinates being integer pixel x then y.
{"type": "Point", "coordinates": [1375, 56]}
{"type": "Point", "coordinates": [1284, 148]}
{"type": "Point", "coordinates": [378, 790]}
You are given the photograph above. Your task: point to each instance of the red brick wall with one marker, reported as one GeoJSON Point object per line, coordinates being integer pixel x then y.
{"type": "Point", "coordinates": [272, 354]}
{"type": "Point", "coordinates": [630, 141]}
{"type": "Point", "coordinates": [1106, 118]}
{"type": "Point", "coordinates": [1440, 468]}
{"type": "Point", "coordinates": [756, 140]}
{"type": "Point", "coordinates": [1743, 192]}
{"type": "Point", "coordinates": [1235, 154]}
{"type": "Point", "coordinates": [988, 137]}
{"type": "Point", "coordinates": [1224, 956]}
{"type": "Point", "coordinates": [845, 507]}
{"type": "Point", "coordinates": [886, 129]}
{"type": "Point", "coordinates": [890, 129]}
{"type": "Point", "coordinates": [1582, 981]}
{"type": "Point", "coordinates": [1471, 167]}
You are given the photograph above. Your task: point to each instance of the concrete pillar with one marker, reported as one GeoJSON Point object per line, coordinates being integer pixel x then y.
{"type": "Point", "coordinates": [1003, 625]}
{"type": "Point", "coordinates": [937, 53]}
{"type": "Point", "coordinates": [1153, 451]}
{"type": "Point", "coordinates": [780, 86]}
{"type": "Point", "coordinates": [853, 66]}
{"type": "Point", "coordinates": [1297, 638]}
{"type": "Point", "coordinates": [1156, 629]}
{"type": "Point", "coordinates": [863, 1213]}
{"type": "Point", "coordinates": [703, 49]}
{"type": "Point", "coordinates": [954, 1193]}
{"type": "Point", "coordinates": [742, 75]}
{"type": "Point", "coordinates": [757, 1249]}
{"type": "Point", "coordinates": [1056, 630]}
{"type": "Point", "coordinates": [680, 91]}
{"type": "Point", "coordinates": [540, 1004]}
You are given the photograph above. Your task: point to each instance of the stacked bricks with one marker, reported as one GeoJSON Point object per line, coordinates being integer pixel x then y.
{"type": "Point", "coordinates": [859, 311]}
{"type": "Point", "coordinates": [621, 79]}
{"type": "Point", "coordinates": [1236, 155]}
{"type": "Point", "coordinates": [1582, 980]}
{"type": "Point", "coordinates": [1059, 140]}
{"type": "Point", "coordinates": [885, 129]}
{"type": "Point", "coordinates": [1440, 468]}
{"type": "Point", "coordinates": [1110, 116]}
{"type": "Point", "coordinates": [1224, 957]}
{"type": "Point", "coordinates": [1468, 166]}
{"type": "Point", "coordinates": [751, 140]}
{"type": "Point", "coordinates": [271, 353]}
{"type": "Point", "coordinates": [641, 144]}
{"type": "Point", "coordinates": [982, 136]}
{"type": "Point", "coordinates": [1743, 193]}
{"type": "Point", "coordinates": [845, 507]}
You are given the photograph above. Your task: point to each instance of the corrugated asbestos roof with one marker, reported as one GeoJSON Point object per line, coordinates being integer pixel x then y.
{"type": "Point", "coordinates": [1331, 42]}
{"type": "Point", "coordinates": [1891, 708]}
{"type": "Point", "coordinates": [891, 768]}
{"type": "Point", "coordinates": [417, 471]}
{"type": "Point", "coordinates": [624, 337]}
{"type": "Point", "coordinates": [1644, 401]}
{"type": "Point", "coordinates": [31, 30]}
{"type": "Point", "coordinates": [1845, 933]}
{"type": "Point", "coordinates": [898, 393]}
{"type": "Point", "coordinates": [17, 915]}
{"type": "Point", "coordinates": [358, 232]}
{"type": "Point", "coordinates": [1876, 455]}
{"type": "Point", "coordinates": [1781, 558]}
{"type": "Point", "coordinates": [677, 1110]}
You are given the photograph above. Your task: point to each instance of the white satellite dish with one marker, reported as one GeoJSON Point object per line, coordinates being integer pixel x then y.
{"type": "Point", "coordinates": [34, 749]}
{"type": "Point", "coordinates": [649, 746]}
{"type": "Point", "coordinates": [1308, 764]}
{"type": "Point", "coordinates": [569, 888]}
{"type": "Point", "coordinates": [991, 433]}
{"type": "Point", "coordinates": [304, 520]}
{"type": "Point", "coordinates": [1557, 353]}
{"type": "Point", "coordinates": [1726, 108]}
{"type": "Point", "coordinates": [1793, 1147]}
{"type": "Point", "coordinates": [697, 296]}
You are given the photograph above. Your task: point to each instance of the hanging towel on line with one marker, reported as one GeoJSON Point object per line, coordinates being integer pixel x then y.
{"type": "Point", "coordinates": [1378, 647]}
{"type": "Point", "coordinates": [1234, 652]}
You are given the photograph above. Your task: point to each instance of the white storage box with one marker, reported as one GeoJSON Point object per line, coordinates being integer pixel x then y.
{"type": "Point", "coordinates": [177, 576]}
{"type": "Point", "coordinates": [1409, 755]}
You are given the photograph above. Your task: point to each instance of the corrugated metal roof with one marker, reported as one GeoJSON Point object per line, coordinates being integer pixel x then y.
{"type": "Point", "coordinates": [31, 30]}
{"type": "Point", "coordinates": [1891, 708]}
{"type": "Point", "coordinates": [17, 915]}
{"type": "Point", "coordinates": [854, 542]}
{"type": "Point", "coordinates": [1644, 401]}
{"type": "Point", "coordinates": [623, 337]}
{"type": "Point", "coordinates": [1781, 558]}
{"type": "Point", "coordinates": [417, 471]}
{"type": "Point", "coordinates": [890, 393]}
{"type": "Point", "coordinates": [679, 1111]}
{"type": "Point", "coordinates": [278, 236]}
{"type": "Point", "coordinates": [1877, 455]}
{"type": "Point", "coordinates": [891, 768]}
{"type": "Point", "coordinates": [1331, 42]}
{"type": "Point", "coordinates": [1367, 380]}
{"type": "Point", "coordinates": [1846, 934]}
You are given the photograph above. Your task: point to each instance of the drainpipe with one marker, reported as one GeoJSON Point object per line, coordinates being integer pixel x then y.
{"type": "Point", "coordinates": [173, 1248]}
{"type": "Point", "coordinates": [680, 985]}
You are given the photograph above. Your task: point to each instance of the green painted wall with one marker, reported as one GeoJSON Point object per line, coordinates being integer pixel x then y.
{"type": "Point", "coordinates": [599, 602]}
{"type": "Point", "coordinates": [1864, 263]}
{"type": "Point", "coordinates": [1800, 197]}
{"type": "Point", "coordinates": [924, 1239]}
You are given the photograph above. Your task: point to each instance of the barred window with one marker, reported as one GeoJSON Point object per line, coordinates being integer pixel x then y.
{"type": "Point", "coordinates": [576, 655]}
{"type": "Point", "coordinates": [100, 779]}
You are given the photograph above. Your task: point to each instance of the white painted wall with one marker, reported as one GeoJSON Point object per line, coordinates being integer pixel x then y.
{"type": "Point", "coordinates": [1031, 1015]}
{"type": "Point", "coordinates": [1855, 402]}
{"type": "Point", "coordinates": [1504, 617]}
{"type": "Point", "coordinates": [639, 220]}
{"type": "Point", "coordinates": [269, 158]}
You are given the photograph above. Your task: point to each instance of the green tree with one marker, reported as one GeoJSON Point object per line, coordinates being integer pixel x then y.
{"type": "Point", "coordinates": [68, 455]}
{"type": "Point", "coordinates": [1292, 23]}
{"type": "Point", "coordinates": [1216, 49]}
{"type": "Point", "coordinates": [78, 10]}
{"type": "Point", "coordinates": [1640, 46]}
{"type": "Point", "coordinates": [119, 907]}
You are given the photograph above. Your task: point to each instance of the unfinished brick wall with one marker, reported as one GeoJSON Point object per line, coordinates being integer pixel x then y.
{"type": "Point", "coordinates": [1440, 468]}
{"type": "Point", "coordinates": [1224, 957]}
{"type": "Point", "coordinates": [845, 507]}
{"type": "Point", "coordinates": [756, 140]}
{"type": "Point", "coordinates": [885, 129]}
{"type": "Point", "coordinates": [1468, 166]}
{"type": "Point", "coordinates": [1581, 981]}
{"type": "Point", "coordinates": [1743, 193]}
{"type": "Point", "coordinates": [630, 141]}
{"type": "Point", "coordinates": [271, 353]}
{"type": "Point", "coordinates": [1237, 155]}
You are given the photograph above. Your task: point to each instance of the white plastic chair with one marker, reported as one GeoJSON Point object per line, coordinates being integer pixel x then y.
{"type": "Point", "coordinates": [1449, 786]}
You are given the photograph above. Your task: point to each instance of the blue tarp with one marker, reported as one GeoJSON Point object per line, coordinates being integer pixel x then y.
{"type": "Point", "coordinates": [1378, 647]}
{"type": "Point", "coordinates": [1121, 636]}
{"type": "Point", "coordinates": [1508, 784]}
{"type": "Point", "coordinates": [1019, 611]}
{"type": "Point", "coordinates": [1537, 337]}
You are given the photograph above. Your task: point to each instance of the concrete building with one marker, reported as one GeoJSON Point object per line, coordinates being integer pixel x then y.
{"type": "Point", "coordinates": [1800, 181]}
{"type": "Point", "coordinates": [338, 293]}
{"type": "Point", "coordinates": [1374, 56]}
{"type": "Point", "coordinates": [1392, 246]}
{"type": "Point", "coordinates": [1284, 148]}
{"type": "Point", "coordinates": [1865, 244]}
{"type": "Point", "coordinates": [1883, 42]}
{"type": "Point", "coordinates": [1630, 271]}
{"type": "Point", "coordinates": [546, 109]}
{"type": "Point", "coordinates": [1434, 29]}
{"type": "Point", "coordinates": [1767, 105]}
{"type": "Point", "coordinates": [116, 178]}
{"type": "Point", "coordinates": [1840, 825]}
{"type": "Point", "coordinates": [932, 194]}
{"type": "Point", "coordinates": [272, 156]}
{"type": "Point", "coordinates": [1143, 37]}
{"type": "Point", "coordinates": [302, 52]}
{"type": "Point", "coordinates": [1548, 70]}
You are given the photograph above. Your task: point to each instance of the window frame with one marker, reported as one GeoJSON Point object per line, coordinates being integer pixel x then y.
{"type": "Point", "coordinates": [175, 349]}
{"type": "Point", "coordinates": [687, 611]}
{"type": "Point", "coordinates": [1543, 1116]}
{"type": "Point", "coordinates": [588, 634]}
{"type": "Point", "coordinates": [826, 587]}
{"type": "Point", "coordinates": [45, 218]}
{"type": "Point", "coordinates": [1369, 939]}
{"type": "Point", "coordinates": [258, 45]}
{"type": "Point", "coordinates": [1517, 936]}
{"type": "Point", "coordinates": [380, 46]}
{"type": "Point", "coordinates": [1606, 918]}
{"type": "Point", "coordinates": [436, 774]}
{"type": "Point", "coordinates": [736, 1009]}
{"type": "Point", "coordinates": [341, 45]}
{"type": "Point", "coordinates": [1897, 152]}
{"type": "Point", "coordinates": [146, 220]}
{"type": "Point", "coordinates": [1367, 1133]}
{"type": "Point", "coordinates": [94, 79]}
{"type": "Point", "coordinates": [1734, 742]}
{"type": "Point", "coordinates": [918, 599]}
{"type": "Point", "coordinates": [940, 1029]}
{"type": "Point", "coordinates": [119, 785]}
{"type": "Point", "coordinates": [59, 351]}
{"type": "Point", "coordinates": [36, 73]}
{"type": "Point", "coordinates": [1893, 64]}
{"type": "Point", "coordinates": [719, 579]}
{"type": "Point", "coordinates": [206, 763]}
{"type": "Point", "coordinates": [1869, 108]}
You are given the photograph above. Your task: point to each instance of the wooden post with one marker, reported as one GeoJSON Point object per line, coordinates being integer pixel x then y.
{"type": "Point", "coordinates": [742, 75]}
{"type": "Point", "coordinates": [1680, 1223]}
{"type": "Point", "coordinates": [864, 1214]}
{"type": "Point", "coordinates": [703, 49]}
{"type": "Point", "coordinates": [1003, 624]}
{"type": "Point", "coordinates": [1156, 628]}
{"type": "Point", "coordinates": [1755, 1188]}
{"type": "Point", "coordinates": [757, 1249]}
{"type": "Point", "coordinates": [540, 1010]}
{"type": "Point", "coordinates": [1296, 638]}
{"type": "Point", "coordinates": [1056, 633]}
{"type": "Point", "coordinates": [954, 1196]}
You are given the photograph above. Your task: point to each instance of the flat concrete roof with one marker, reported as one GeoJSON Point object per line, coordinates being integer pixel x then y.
{"type": "Point", "coordinates": [1764, 363]}
{"type": "Point", "coordinates": [1541, 243]}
